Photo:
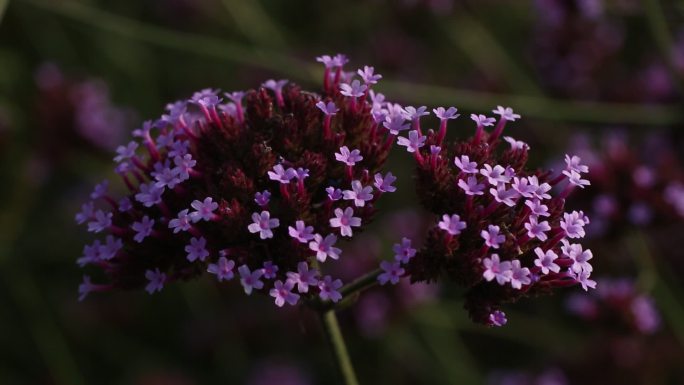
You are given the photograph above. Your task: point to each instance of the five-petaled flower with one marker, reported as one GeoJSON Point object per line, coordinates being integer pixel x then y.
{"type": "Point", "coordinates": [345, 220]}
{"type": "Point", "coordinates": [263, 224]}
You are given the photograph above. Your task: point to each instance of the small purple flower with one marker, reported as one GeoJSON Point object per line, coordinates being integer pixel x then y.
{"type": "Point", "coordinates": [403, 251]}
{"type": "Point", "coordinates": [203, 210]}
{"type": "Point", "coordinates": [270, 270]}
{"type": "Point", "coordinates": [235, 97]}
{"type": "Point", "coordinates": [482, 120]}
{"type": "Point", "coordinates": [179, 148]}
{"type": "Point", "coordinates": [156, 280]}
{"type": "Point", "coordinates": [506, 113]}
{"type": "Point", "coordinates": [466, 165]}
{"type": "Point", "coordinates": [583, 279]}
{"type": "Point", "coordinates": [516, 144]}
{"type": "Point", "coordinates": [573, 163]}
{"type": "Point", "coordinates": [384, 184]}
{"type": "Point", "coordinates": [280, 174]}
{"type": "Point", "coordinates": [545, 261]}
{"type": "Point", "coordinates": [543, 189]}
{"type": "Point", "coordinates": [184, 165]}
{"type": "Point", "coordinates": [327, 61]}
{"type": "Point", "coordinates": [495, 269]}
{"type": "Point", "coordinates": [328, 109]}
{"type": "Point", "coordinates": [501, 195]}
{"type": "Point", "coordinates": [262, 198]}
{"type": "Point", "coordinates": [223, 269]}
{"type": "Point", "coordinates": [301, 232]}
{"type": "Point", "coordinates": [452, 224]}
{"type": "Point", "coordinates": [282, 292]}
{"type": "Point", "coordinates": [329, 289]}
{"type": "Point", "coordinates": [359, 194]}
{"type": "Point", "coordinates": [443, 114]}
{"type": "Point", "coordinates": [395, 120]}
{"type": "Point", "coordinates": [250, 280]}
{"type": "Point", "coordinates": [575, 179]}
{"type": "Point", "coordinates": [355, 89]}
{"type": "Point", "coordinates": [149, 194]}
{"type": "Point", "coordinates": [87, 212]}
{"type": "Point", "coordinates": [536, 229]}
{"type": "Point", "coordinates": [181, 222]}
{"type": "Point", "coordinates": [334, 194]}
{"type": "Point", "coordinates": [301, 173]}
{"type": "Point", "coordinates": [126, 152]}
{"type": "Point", "coordinates": [142, 229]}
{"type": "Point", "coordinates": [368, 75]}
{"type": "Point", "coordinates": [110, 248]}
{"type": "Point", "coordinates": [498, 318]}
{"type": "Point", "coordinates": [579, 257]}
{"type": "Point", "coordinates": [345, 220]}
{"type": "Point", "coordinates": [101, 221]}
{"type": "Point", "coordinates": [125, 204]}
{"type": "Point", "coordinates": [340, 60]}
{"type": "Point", "coordinates": [324, 247]}
{"type": "Point", "coordinates": [85, 288]}
{"type": "Point", "coordinates": [523, 187]}
{"type": "Point", "coordinates": [493, 238]}
{"type": "Point", "coordinates": [495, 175]}
{"type": "Point", "coordinates": [537, 208]}
{"type": "Point", "coordinates": [392, 272]}
{"type": "Point", "coordinates": [471, 187]}
{"type": "Point", "coordinates": [519, 275]}
{"type": "Point", "coordinates": [263, 224]}
{"type": "Point", "coordinates": [166, 176]}
{"type": "Point", "coordinates": [414, 142]}
{"type": "Point", "coordinates": [100, 190]}
{"type": "Point", "coordinates": [303, 278]}
{"type": "Point", "coordinates": [413, 113]}
{"type": "Point", "coordinates": [275, 85]}
{"type": "Point", "coordinates": [197, 249]}
{"type": "Point", "coordinates": [350, 158]}
{"type": "Point", "coordinates": [573, 224]}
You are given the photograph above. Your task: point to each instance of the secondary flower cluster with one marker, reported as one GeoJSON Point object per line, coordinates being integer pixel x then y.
{"type": "Point", "coordinates": [502, 231]}
{"type": "Point", "coordinates": [258, 185]}
{"type": "Point", "coordinates": [638, 187]}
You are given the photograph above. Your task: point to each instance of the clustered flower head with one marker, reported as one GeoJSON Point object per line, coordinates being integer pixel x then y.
{"type": "Point", "coordinates": [617, 303]}
{"type": "Point", "coordinates": [630, 186]}
{"type": "Point", "coordinates": [501, 229]}
{"type": "Point", "coordinates": [256, 187]}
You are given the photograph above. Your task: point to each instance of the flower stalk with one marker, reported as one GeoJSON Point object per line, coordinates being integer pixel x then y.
{"type": "Point", "coordinates": [339, 348]}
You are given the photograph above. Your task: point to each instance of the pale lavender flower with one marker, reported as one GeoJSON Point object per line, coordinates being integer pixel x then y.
{"type": "Point", "coordinates": [516, 144]}
{"type": "Point", "coordinates": [270, 269]}
{"type": "Point", "coordinates": [403, 251]}
{"type": "Point", "coordinates": [646, 316]}
{"type": "Point", "coordinates": [204, 210]}
{"type": "Point", "coordinates": [413, 113]}
{"type": "Point", "coordinates": [573, 224]}
{"type": "Point", "coordinates": [149, 194]}
{"type": "Point", "coordinates": [223, 269]}
{"type": "Point", "coordinates": [443, 114]}
{"type": "Point", "coordinates": [328, 62]}
{"type": "Point", "coordinates": [110, 248]}
{"type": "Point", "coordinates": [350, 158]}
{"type": "Point", "coordinates": [126, 152]}
{"type": "Point", "coordinates": [573, 163]}
{"type": "Point", "coordinates": [142, 229]}
{"type": "Point", "coordinates": [395, 120]}
{"type": "Point", "coordinates": [537, 208]}
{"type": "Point", "coordinates": [495, 175]}
{"type": "Point", "coordinates": [345, 220]}
{"type": "Point", "coordinates": [184, 165]}
{"type": "Point", "coordinates": [334, 194]}
{"type": "Point", "coordinates": [359, 194]}
{"type": "Point", "coordinates": [179, 148]}
{"type": "Point", "coordinates": [301, 232]}
{"type": "Point", "coordinates": [324, 247]}
{"type": "Point", "coordinates": [275, 85]}
{"type": "Point", "coordinates": [413, 143]}
{"type": "Point", "coordinates": [100, 190]}
{"type": "Point", "coordinates": [492, 236]}
{"type": "Point", "coordinates": [250, 280]}
{"type": "Point", "coordinates": [580, 258]}
{"type": "Point", "coordinates": [355, 89]}
{"type": "Point", "coordinates": [263, 224]}
{"type": "Point", "coordinates": [498, 318]}
{"type": "Point", "coordinates": [506, 113]}
{"type": "Point", "coordinates": [197, 249]}
{"type": "Point", "coordinates": [482, 120]}
{"type": "Point", "coordinates": [165, 176]}
{"type": "Point", "coordinates": [329, 289]}
{"type": "Point", "coordinates": [181, 222]}
{"type": "Point", "coordinates": [281, 175]}
{"type": "Point", "coordinates": [87, 212]}
{"type": "Point", "coordinates": [466, 165]}
{"type": "Point", "coordinates": [543, 189]}
{"type": "Point", "coordinates": [546, 261]}
{"type": "Point", "coordinates": [471, 186]}
{"type": "Point", "coordinates": [85, 288]}
{"type": "Point", "coordinates": [392, 272]}
{"type": "Point", "coordinates": [328, 109]}
{"type": "Point", "coordinates": [282, 292]}
{"type": "Point", "coordinates": [496, 269]}
{"type": "Point", "coordinates": [156, 280]}
{"type": "Point", "coordinates": [523, 187]}
{"type": "Point", "coordinates": [519, 275]}
{"type": "Point", "coordinates": [384, 184]}
{"type": "Point", "coordinates": [536, 229]}
{"type": "Point", "coordinates": [262, 198]}
{"type": "Point", "coordinates": [101, 221]}
{"type": "Point", "coordinates": [501, 195]}
{"type": "Point", "coordinates": [452, 224]}
{"type": "Point", "coordinates": [303, 278]}
{"type": "Point", "coordinates": [575, 179]}
{"type": "Point", "coordinates": [368, 75]}
{"type": "Point", "coordinates": [235, 97]}
{"type": "Point", "coordinates": [583, 279]}
{"type": "Point", "coordinates": [340, 60]}
{"type": "Point", "coordinates": [125, 205]}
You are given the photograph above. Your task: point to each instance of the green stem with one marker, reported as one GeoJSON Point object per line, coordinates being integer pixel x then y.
{"type": "Point", "coordinates": [334, 334]}
{"type": "Point", "coordinates": [360, 284]}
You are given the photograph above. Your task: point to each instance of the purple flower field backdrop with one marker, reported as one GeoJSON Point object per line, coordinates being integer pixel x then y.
{"type": "Point", "coordinates": [600, 79]}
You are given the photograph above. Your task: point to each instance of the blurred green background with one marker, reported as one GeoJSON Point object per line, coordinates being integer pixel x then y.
{"type": "Point", "coordinates": [585, 71]}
